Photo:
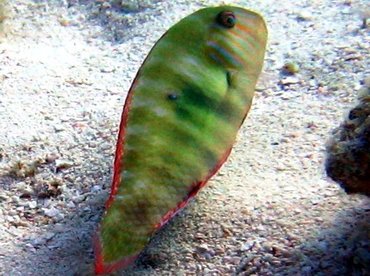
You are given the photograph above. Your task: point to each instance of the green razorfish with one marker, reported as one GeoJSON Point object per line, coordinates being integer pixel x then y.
{"type": "Point", "coordinates": [179, 123]}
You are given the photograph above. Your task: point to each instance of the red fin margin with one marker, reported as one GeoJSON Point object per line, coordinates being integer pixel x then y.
{"type": "Point", "coordinates": [193, 192]}
{"type": "Point", "coordinates": [119, 147]}
{"type": "Point", "coordinates": [105, 268]}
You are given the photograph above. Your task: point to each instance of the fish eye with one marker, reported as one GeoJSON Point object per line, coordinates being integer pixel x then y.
{"type": "Point", "coordinates": [226, 19]}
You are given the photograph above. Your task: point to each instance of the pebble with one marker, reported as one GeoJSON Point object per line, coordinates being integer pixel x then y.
{"type": "Point", "coordinates": [10, 218]}
{"type": "Point", "coordinates": [307, 270]}
{"type": "Point", "coordinates": [32, 204]}
{"type": "Point", "coordinates": [267, 246]}
{"type": "Point", "coordinates": [289, 80]}
{"type": "Point", "coordinates": [79, 198]}
{"type": "Point", "coordinates": [205, 252]}
{"type": "Point", "coordinates": [59, 228]}
{"type": "Point", "coordinates": [59, 128]}
{"type": "Point", "coordinates": [267, 258]}
{"type": "Point", "coordinates": [261, 228]}
{"type": "Point", "coordinates": [20, 186]}
{"type": "Point", "coordinates": [48, 236]}
{"type": "Point", "coordinates": [15, 199]}
{"type": "Point", "coordinates": [70, 204]}
{"type": "Point", "coordinates": [51, 157]}
{"type": "Point", "coordinates": [202, 249]}
{"type": "Point", "coordinates": [3, 196]}
{"type": "Point", "coordinates": [280, 251]}
{"type": "Point", "coordinates": [211, 272]}
{"type": "Point", "coordinates": [12, 212]}
{"type": "Point", "coordinates": [52, 212]}
{"type": "Point", "coordinates": [322, 245]}
{"type": "Point", "coordinates": [25, 190]}
{"type": "Point", "coordinates": [58, 217]}
{"type": "Point", "coordinates": [247, 246]}
{"type": "Point", "coordinates": [62, 164]}
{"type": "Point", "coordinates": [106, 5]}
{"type": "Point", "coordinates": [46, 203]}
{"type": "Point", "coordinates": [231, 260]}
{"type": "Point", "coordinates": [30, 247]}
{"type": "Point", "coordinates": [199, 236]}
{"type": "Point", "coordinates": [37, 242]}
{"type": "Point", "coordinates": [304, 16]}
{"type": "Point", "coordinates": [291, 68]}
{"type": "Point", "coordinates": [251, 271]}
{"type": "Point", "coordinates": [95, 188]}
{"type": "Point", "coordinates": [21, 223]}
{"type": "Point", "coordinates": [219, 250]}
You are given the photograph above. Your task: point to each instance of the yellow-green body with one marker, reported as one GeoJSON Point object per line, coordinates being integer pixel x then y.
{"type": "Point", "coordinates": [181, 118]}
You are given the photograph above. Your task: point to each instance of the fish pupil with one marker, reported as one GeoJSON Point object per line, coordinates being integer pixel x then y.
{"type": "Point", "coordinates": [226, 19]}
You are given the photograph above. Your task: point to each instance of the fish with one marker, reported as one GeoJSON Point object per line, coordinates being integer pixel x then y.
{"type": "Point", "coordinates": [178, 125]}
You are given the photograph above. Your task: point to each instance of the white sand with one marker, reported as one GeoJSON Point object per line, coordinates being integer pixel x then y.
{"type": "Point", "coordinates": [64, 74]}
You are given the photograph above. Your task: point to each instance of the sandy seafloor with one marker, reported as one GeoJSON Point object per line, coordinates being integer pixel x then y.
{"type": "Point", "coordinates": [65, 69]}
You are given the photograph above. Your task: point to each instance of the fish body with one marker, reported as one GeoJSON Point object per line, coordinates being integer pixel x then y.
{"type": "Point", "coordinates": [178, 125]}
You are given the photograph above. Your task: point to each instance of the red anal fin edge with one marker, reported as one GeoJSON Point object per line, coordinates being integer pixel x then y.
{"type": "Point", "coordinates": [119, 146]}
{"type": "Point", "coordinates": [121, 133]}
{"type": "Point", "coordinates": [104, 268]}
{"type": "Point", "coordinates": [100, 266]}
{"type": "Point", "coordinates": [193, 192]}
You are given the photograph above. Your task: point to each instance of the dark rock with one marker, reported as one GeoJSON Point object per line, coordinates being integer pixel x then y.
{"type": "Point", "coordinates": [348, 152]}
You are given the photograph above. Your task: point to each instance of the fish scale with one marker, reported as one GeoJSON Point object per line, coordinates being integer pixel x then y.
{"type": "Point", "coordinates": [179, 123]}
